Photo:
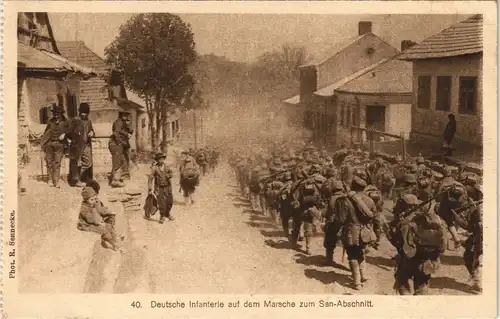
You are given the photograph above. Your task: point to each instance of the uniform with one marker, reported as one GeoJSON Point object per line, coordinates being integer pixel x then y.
{"type": "Point", "coordinates": [53, 143]}
{"type": "Point", "coordinates": [160, 183]}
{"type": "Point", "coordinates": [286, 209]}
{"type": "Point", "coordinates": [416, 262]}
{"type": "Point", "coordinates": [119, 147]}
{"type": "Point", "coordinates": [332, 222]}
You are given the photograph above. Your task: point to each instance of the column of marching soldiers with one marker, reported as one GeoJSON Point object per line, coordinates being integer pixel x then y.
{"type": "Point", "coordinates": [347, 192]}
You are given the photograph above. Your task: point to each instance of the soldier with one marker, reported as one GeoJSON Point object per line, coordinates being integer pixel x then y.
{"type": "Point", "coordinates": [333, 224]}
{"type": "Point", "coordinates": [272, 198]}
{"type": "Point", "coordinates": [80, 132]}
{"type": "Point", "coordinates": [420, 239]}
{"type": "Point", "coordinates": [53, 143]}
{"type": "Point", "coordinates": [308, 199]}
{"type": "Point", "coordinates": [160, 185]}
{"type": "Point", "coordinates": [254, 187]}
{"type": "Point", "coordinates": [119, 148]}
{"type": "Point", "coordinates": [285, 203]}
{"type": "Point", "coordinates": [409, 184]}
{"type": "Point", "coordinates": [379, 221]}
{"type": "Point", "coordinates": [472, 221]}
{"type": "Point", "coordinates": [453, 196]}
{"type": "Point", "coordinates": [357, 229]}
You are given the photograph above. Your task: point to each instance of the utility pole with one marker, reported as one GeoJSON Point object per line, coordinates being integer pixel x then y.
{"type": "Point", "coordinates": [194, 129]}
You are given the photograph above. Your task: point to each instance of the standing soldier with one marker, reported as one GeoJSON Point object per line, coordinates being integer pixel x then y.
{"type": "Point", "coordinates": [119, 147]}
{"type": "Point", "coordinates": [80, 132]}
{"type": "Point", "coordinates": [53, 142]}
{"type": "Point", "coordinates": [336, 207]}
{"type": "Point", "coordinates": [160, 184]}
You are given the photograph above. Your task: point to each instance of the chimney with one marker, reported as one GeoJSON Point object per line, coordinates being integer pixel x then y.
{"type": "Point", "coordinates": [406, 44]}
{"type": "Point", "coordinates": [364, 27]}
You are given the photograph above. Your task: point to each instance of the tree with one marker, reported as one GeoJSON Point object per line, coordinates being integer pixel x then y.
{"type": "Point", "coordinates": [283, 65]}
{"type": "Point", "coordinates": [152, 53]}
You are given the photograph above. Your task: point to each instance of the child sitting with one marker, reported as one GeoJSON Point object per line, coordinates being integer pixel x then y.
{"type": "Point", "coordinates": [95, 217]}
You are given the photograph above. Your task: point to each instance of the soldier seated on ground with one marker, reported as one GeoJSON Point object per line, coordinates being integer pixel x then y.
{"type": "Point", "coordinates": [95, 217]}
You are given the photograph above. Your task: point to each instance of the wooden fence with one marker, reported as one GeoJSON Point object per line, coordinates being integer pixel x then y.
{"type": "Point", "coordinates": [357, 138]}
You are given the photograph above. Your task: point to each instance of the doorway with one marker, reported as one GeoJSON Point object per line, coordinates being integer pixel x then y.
{"type": "Point", "coordinates": [375, 118]}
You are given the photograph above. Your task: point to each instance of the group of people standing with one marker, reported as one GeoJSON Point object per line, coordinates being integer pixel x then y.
{"type": "Point", "coordinates": [348, 192]}
{"type": "Point", "coordinates": [74, 136]}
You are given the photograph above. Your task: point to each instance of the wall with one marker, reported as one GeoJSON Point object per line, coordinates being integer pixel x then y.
{"type": "Point", "coordinates": [395, 108]}
{"type": "Point", "coordinates": [398, 119]}
{"type": "Point", "coordinates": [430, 123]}
{"type": "Point", "coordinates": [353, 59]}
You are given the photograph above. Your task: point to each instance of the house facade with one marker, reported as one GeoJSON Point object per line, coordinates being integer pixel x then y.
{"type": "Point", "coordinates": [44, 79]}
{"type": "Point", "coordinates": [447, 78]}
{"type": "Point", "coordinates": [331, 100]}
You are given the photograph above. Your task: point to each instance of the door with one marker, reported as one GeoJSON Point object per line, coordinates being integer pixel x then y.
{"type": "Point", "coordinates": [375, 118]}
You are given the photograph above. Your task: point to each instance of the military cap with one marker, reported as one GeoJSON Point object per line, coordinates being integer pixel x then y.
{"type": "Point", "coordinates": [256, 169]}
{"type": "Point", "coordinates": [359, 181]}
{"type": "Point", "coordinates": [58, 109]}
{"type": "Point", "coordinates": [84, 108]}
{"type": "Point", "coordinates": [356, 161]}
{"type": "Point", "coordinates": [160, 155]}
{"type": "Point", "coordinates": [337, 185]}
{"type": "Point", "coordinates": [420, 160]}
{"type": "Point", "coordinates": [123, 112]}
{"type": "Point", "coordinates": [437, 175]}
{"type": "Point", "coordinates": [316, 167]}
{"type": "Point", "coordinates": [410, 199]}
{"type": "Point", "coordinates": [410, 179]}
{"type": "Point", "coordinates": [330, 171]}
{"type": "Point", "coordinates": [471, 179]}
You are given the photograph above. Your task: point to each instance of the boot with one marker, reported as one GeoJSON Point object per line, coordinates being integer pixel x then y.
{"type": "Point", "coordinates": [116, 183]}
{"type": "Point", "coordinates": [162, 220]}
{"type": "Point", "coordinates": [170, 217]}
{"type": "Point", "coordinates": [329, 257]}
{"type": "Point", "coordinates": [355, 274]}
{"type": "Point", "coordinates": [454, 235]}
{"type": "Point", "coordinates": [362, 272]}
{"type": "Point", "coordinates": [308, 247]}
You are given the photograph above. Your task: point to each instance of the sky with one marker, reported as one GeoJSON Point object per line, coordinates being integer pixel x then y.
{"type": "Point", "coordinates": [243, 37]}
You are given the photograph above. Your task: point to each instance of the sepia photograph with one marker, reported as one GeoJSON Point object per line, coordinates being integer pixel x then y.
{"type": "Point", "coordinates": [249, 154]}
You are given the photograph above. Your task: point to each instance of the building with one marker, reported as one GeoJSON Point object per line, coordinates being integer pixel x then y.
{"type": "Point", "coordinates": [356, 83]}
{"type": "Point", "coordinates": [44, 79]}
{"type": "Point", "coordinates": [447, 78]}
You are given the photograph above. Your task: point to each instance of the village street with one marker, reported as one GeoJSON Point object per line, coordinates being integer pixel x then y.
{"type": "Point", "coordinates": [218, 245]}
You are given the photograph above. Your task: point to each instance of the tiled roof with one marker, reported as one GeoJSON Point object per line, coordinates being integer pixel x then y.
{"type": "Point", "coordinates": [78, 52]}
{"type": "Point", "coordinates": [462, 38]}
{"type": "Point", "coordinates": [330, 89]}
{"type": "Point", "coordinates": [293, 100]}
{"type": "Point", "coordinates": [31, 58]}
{"type": "Point", "coordinates": [336, 48]}
{"type": "Point", "coordinates": [389, 77]}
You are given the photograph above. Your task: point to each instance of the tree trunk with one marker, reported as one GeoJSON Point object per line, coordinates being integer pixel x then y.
{"type": "Point", "coordinates": [164, 144]}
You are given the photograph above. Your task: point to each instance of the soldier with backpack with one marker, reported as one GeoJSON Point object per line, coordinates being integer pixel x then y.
{"type": "Point", "coordinates": [453, 196]}
{"type": "Point", "coordinates": [420, 238]}
{"type": "Point", "coordinates": [286, 210]}
{"type": "Point", "coordinates": [189, 179]}
{"type": "Point", "coordinates": [358, 229]}
{"type": "Point", "coordinates": [333, 224]}
{"type": "Point", "coordinates": [273, 189]}
{"type": "Point", "coordinates": [160, 185]}
{"type": "Point", "coordinates": [309, 201]}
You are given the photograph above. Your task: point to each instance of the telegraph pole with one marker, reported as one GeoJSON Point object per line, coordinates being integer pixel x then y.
{"type": "Point", "coordinates": [195, 129]}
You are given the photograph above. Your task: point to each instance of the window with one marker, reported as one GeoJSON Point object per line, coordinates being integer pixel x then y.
{"type": "Point", "coordinates": [348, 119]}
{"type": "Point", "coordinates": [443, 93]}
{"type": "Point", "coordinates": [331, 123]}
{"type": "Point", "coordinates": [342, 122]}
{"type": "Point", "coordinates": [44, 114]}
{"type": "Point", "coordinates": [72, 109]}
{"type": "Point", "coordinates": [143, 123]}
{"type": "Point", "coordinates": [468, 95]}
{"type": "Point", "coordinates": [424, 92]}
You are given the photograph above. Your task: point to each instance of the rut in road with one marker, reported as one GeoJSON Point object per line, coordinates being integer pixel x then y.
{"type": "Point", "coordinates": [218, 245]}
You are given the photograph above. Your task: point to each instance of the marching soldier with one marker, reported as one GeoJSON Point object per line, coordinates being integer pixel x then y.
{"type": "Point", "coordinates": [53, 143]}
{"type": "Point", "coordinates": [332, 222]}
{"type": "Point", "coordinates": [160, 185]}
{"type": "Point", "coordinates": [119, 148]}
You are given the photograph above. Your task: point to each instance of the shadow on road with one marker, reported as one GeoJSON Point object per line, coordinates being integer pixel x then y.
{"type": "Point", "coordinates": [380, 262]}
{"type": "Point", "coordinates": [329, 277]}
{"type": "Point", "coordinates": [260, 225]}
{"type": "Point", "coordinates": [279, 244]}
{"type": "Point", "coordinates": [450, 283]}
{"type": "Point", "coordinates": [452, 260]}
{"type": "Point", "coordinates": [272, 233]}
{"type": "Point", "coordinates": [318, 261]}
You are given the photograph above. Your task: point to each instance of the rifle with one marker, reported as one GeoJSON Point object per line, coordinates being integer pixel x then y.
{"type": "Point", "coordinates": [407, 213]}
{"type": "Point", "coordinates": [464, 208]}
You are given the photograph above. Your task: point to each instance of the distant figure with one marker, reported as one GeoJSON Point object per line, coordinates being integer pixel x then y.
{"type": "Point", "coordinates": [449, 133]}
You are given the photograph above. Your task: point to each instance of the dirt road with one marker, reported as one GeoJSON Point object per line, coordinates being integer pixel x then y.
{"type": "Point", "coordinates": [219, 245]}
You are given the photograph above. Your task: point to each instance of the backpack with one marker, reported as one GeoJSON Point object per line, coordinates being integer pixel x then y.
{"type": "Point", "coordinates": [254, 185]}
{"type": "Point", "coordinates": [309, 192]}
{"type": "Point", "coordinates": [426, 233]}
{"type": "Point", "coordinates": [363, 211]}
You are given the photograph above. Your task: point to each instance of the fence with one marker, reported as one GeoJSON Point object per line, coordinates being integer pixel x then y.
{"type": "Point", "coordinates": [374, 140]}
